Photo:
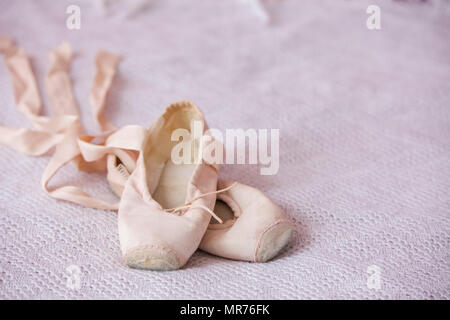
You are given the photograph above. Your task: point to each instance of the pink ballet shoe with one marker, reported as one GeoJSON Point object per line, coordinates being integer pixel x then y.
{"type": "Point", "coordinates": [254, 228]}
{"type": "Point", "coordinates": [165, 207]}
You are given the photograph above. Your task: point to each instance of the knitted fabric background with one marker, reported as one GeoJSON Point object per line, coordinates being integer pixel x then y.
{"type": "Point", "coordinates": [364, 119]}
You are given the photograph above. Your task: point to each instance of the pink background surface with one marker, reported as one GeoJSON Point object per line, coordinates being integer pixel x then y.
{"type": "Point", "coordinates": [364, 151]}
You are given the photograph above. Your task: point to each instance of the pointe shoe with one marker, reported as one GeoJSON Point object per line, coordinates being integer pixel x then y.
{"type": "Point", "coordinates": [165, 207]}
{"type": "Point", "coordinates": [254, 228]}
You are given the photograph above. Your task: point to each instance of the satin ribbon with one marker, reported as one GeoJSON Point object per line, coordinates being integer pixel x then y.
{"type": "Point", "coordinates": [63, 131]}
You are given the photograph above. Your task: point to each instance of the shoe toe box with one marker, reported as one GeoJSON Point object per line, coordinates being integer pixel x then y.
{"type": "Point", "coordinates": [273, 240]}
{"type": "Point", "coordinates": [152, 258]}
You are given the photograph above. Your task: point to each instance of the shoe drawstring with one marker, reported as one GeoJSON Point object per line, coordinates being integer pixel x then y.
{"type": "Point", "coordinates": [190, 204]}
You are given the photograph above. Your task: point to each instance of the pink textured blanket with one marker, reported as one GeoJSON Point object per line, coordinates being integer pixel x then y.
{"type": "Point", "coordinates": [364, 119]}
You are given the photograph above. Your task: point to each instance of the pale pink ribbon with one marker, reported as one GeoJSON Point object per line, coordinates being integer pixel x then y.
{"type": "Point", "coordinates": [63, 131]}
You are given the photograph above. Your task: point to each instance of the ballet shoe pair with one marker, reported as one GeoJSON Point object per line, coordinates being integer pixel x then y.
{"type": "Point", "coordinates": [169, 210]}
